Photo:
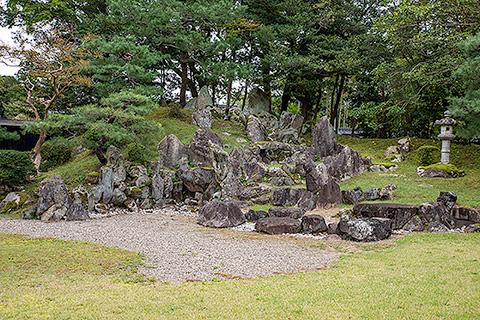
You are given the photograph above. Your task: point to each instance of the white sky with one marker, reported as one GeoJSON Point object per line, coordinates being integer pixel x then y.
{"type": "Point", "coordinates": [6, 37]}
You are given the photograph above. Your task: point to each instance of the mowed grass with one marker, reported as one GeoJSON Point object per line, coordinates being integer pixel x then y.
{"type": "Point", "coordinates": [424, 276]}
{"type": "Point", "coordinates": [411, 188]}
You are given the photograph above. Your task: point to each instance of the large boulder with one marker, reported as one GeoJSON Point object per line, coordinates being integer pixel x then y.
{"type": "Point", "coordinates": [195, 179]}
{"type": "Point", "coordinates": [448, 199]}
{"type": "Point", "coordinates": [324, 138]}
{"type": "Point", "coordinates": [158, 186]}
{"type": "Point", "coordinates": [363, 229]}
{"type": "Point", "coordinates": [288, 196]}
{"type": "Point", "coordinates": [347, 164]}
{"type": "Point", "coordinates": [435, 211]}
{"type": "Point", "coordinates": [220, 214]}
{"type": "Point", "coordinates": [255, 130]}
{"type": "Point", "coordinates": [400, 214]}
{"type": "Point", "coordinates": [116, 161]}
{"type": "Point", "coordinates": [253, 215]}
{"type": "Point", "coordinates": [231, 186]}
{"type": "Point", "coordinates": [292, 212]}
{"type": "Point", "coordinates": [204, 100]}
{"type": "Point", "coordinates": [198, 150]}
{"type": "Point", "coordinates": [278, 225]}
{"type": "Point", "coordinates": [108, 183]}
{"type": "Point", "coordinates": [291, 120]}
{"type": "Point", "coordinates": [321, 183]}
{"type": "Point", "coordinates": [55, 203]}
{"type": "Point", "coordinates": [313, 223]}
{"type": "Point", "coordinates": [13, 201]}
{"type": "Point", "coordinates": [255, 170]}
{"type": "Point", "coordinates": [414, 224]}
{"type": "Point", "coordinates": [254, 192]}
{"type": "Point", "coordinates": [171, 150]}
{"type": "Point", "coordinates": [202, 118]}
{"type": "Point", "coordinates": [237, 161]}
{"type": "Point", "coordinates": [257, 101]}
{"type": "Point", "coordinates": [465, 216]}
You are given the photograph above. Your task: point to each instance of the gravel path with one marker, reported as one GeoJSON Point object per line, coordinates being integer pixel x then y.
{"type": "Point", "coordinates": [176, 249]}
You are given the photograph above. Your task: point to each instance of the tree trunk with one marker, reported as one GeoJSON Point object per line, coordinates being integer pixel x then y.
{"type": "Point", "coordinates": [245, 95]}
{"type": "Point", "coordinates": [285, 98]}
{"type": "Point", "coordinates": [183, 89]}
{"type": "Point", "coordinates": [229, 97]}
{"type": "Point", "coordinates": [191, 82]}
{"type": "Point", "coordinates": [99, 151]}
{"type": "Point", "coordinates": [37, 150]}
{"type": "Point", "coordinates": [214, 93]}
{"type": "Point", "coordinates": [338, 96]}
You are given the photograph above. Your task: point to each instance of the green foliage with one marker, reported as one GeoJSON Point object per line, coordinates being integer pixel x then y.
{"type": "Point", "coordinates": [175, 110]}
{"type": "Point", "coordinates": [427, 155]}
{"type": "Point", "coordinates": [15, 166]}
{"type": "Point", "coordinates": [57, 151]}
{"type": "Point", "coordinates": [138, 154]}
{"type": "Point", "coordinates": [467, 107]}
{"type": "Point", "coordinates": [6, 135]}
{"type": "Point", "coordinates": [447, 167]}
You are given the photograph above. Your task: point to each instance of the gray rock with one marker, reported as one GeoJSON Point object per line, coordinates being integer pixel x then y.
{"type": "Point", "coordinates": [404, 145]}
{"type": "Point", "coordinates": [292, 212]}
{"type": "Point", "coordinates": [391, 150]}
{"type": "Point", "coordinates": [191, 104]}
{"type": "Point", "coordinates": [237, 161]}
{"type": "Point", "coordinates": [108, 184]}
{"type": "Point", "coordinates": [363, 229]}
{"type": "Point", "coordinates": [117, 162]}
{"type": "Point", "coordinates": [195, 179]}
{"type": "Point", "coordinates": [288, 135]}
{"type": "Point", "coordinates": [137, 171]}
{"type": "Point", "coordinates": [473, 228]}
{"type": "Point", "coordinates": [332, 228]}
{"type": "Point", "coordinates": [158, 187]}
{"type": "Point", "coordinates": [388, 223]}
{"type": "Point", "coordinates": [414, 224]}
{"type": "Point", "coordinates": [434, 211]}
{"type": "Point", "coordinates": [386, 193]}
{"type": "Point", "coordinates": [291, 120]}
{"type": "Point", "coordinates": [55, 203]}
{"type": "Point", "coordinates": [202, 118]}
{"type": "Point", "coordinates": [118, 197]}
{"type": "Point", "coordinates": [168, 178]}
{"type": "Point", "coordinates": [220, 160]}
{"type": "Point", "coordinates": [204, 100]}
{"type": "Point", "coordinates": [324, 138]}
{"type": "Point", "coordinates": [253, 215]}
{"type": "Point", "coordinates": [171, 150]}
{"type": "Point", "coordinates": [220, 215]}
{"type": "Point", "coordinates": [142, 180]}
{"type": "Point", "coordinates": [313, 223]}
{"type": "Point", "coordinates": [320, 182]}
{"type": "Point", "coordinates": [146, 204]}
{"type": "Point", "coordinates": [198, 150]}
{"type": "Point", "coordinates": [257, 101]}
{"type": "Point", "coordinates": [261, 200]}
{"type": "Point", "coordinates": [254, 192]}
{"type": "Point", "coordinates": [437, 227]}
{"type": "Point", "coordinates": [278, 225]}
{"type": "Point", "coordinates": [231, 186]}
{"type": "Point", "coordinates": [448, 199]}
{"type": "Point", "coordinates": [80, 196]}
{"type": "Point", "coordinates": [349, 196]}
{"type": "Point", "coordinates": [468, 215]}
{"type": "Point", "coordinates": [255, 130]}
{"type": "Point", "coordinates": [10, 203]}
{"type": "Point", "coordinates": [433, 173]}
{"type": "Point", "coordinates": [255, 171]}
{"type": "Point", "coordinates": [372, 194]}
{"type": "Point", "coordinates": [400, 214]}
{"type": "Point", "coordinates": [345, 165]}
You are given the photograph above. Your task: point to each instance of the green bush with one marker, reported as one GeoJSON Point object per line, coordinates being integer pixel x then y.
{"type": "Point", "coordinates": [175, 110]}
{"type": "Point", "coordinates": [138, 154]}
{"type": "Point", "coordinates": [15, 166]}
{"type": "Point", "coordinates": [427, 155]}
{"type": "Point", "coordinates": [56, 152]}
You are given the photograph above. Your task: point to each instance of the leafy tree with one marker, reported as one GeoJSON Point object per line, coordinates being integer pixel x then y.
{"type": "Point", "coordinates": [467, 107]}
{"type": "Point", "coordinates": [116, 120]}
{"type": "Point", "coordinates": [51, 63]}
{"type": "Point", "coordinates": [15, 166]}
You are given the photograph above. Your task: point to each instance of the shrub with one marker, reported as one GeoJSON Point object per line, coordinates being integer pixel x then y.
{"type": "Point", "coordinates": [428, 155]}
{"type": "Point", "coordinates": [175, 110]}
{"type": "Point", "coordinates": [15, 166]}
{"type": "Point", "coordinates": [56, 152]}
{"type": "Point", "coordinates": [138, 154]}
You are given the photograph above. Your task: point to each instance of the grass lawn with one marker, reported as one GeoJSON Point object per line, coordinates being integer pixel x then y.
{"type": "Point", "coordinates": [423, 276]}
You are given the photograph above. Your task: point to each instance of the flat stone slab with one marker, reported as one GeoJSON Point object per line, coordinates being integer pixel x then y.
{"type": "Point", "coordinates": [400, 214]}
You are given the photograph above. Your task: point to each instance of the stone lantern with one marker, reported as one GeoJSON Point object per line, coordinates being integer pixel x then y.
{"type": "Point", "coordinates": [446, 134]}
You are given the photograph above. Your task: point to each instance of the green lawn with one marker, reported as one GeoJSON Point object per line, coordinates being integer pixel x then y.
{"type": "Point", "coordinates": [424, 276]}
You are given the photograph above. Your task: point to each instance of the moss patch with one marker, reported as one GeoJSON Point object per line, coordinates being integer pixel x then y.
{"type": "Point", "coordinates": [447, 167]}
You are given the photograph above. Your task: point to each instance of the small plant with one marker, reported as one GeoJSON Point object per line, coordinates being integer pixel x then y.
{"type": "Point", "coordinates": [15, 166]}
{"type": "Point", "coordinates": [427, 155]}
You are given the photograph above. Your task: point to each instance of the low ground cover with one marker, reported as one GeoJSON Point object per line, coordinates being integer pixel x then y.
{"type": "Point", "coordinates": [424, 276]}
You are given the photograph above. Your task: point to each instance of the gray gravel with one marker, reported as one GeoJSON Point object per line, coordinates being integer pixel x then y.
{"type": "Point", "coordinates": [176, 249]}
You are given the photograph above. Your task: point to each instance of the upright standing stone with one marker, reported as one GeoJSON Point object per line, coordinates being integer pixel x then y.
{"type": "Point", "coordinates": [255, 130]}
{"type": "Point", "coordinates": [324, 138]}
{"type": "Point", "coordinates": [116, 161]}
{"type": "Point", "coordinates": [171, 150]}
{"type": "Point", "coordinates": [204, 100]}
{"type": "Point", "coordinates": [198, 150]}
{"type": "Point", "coordinates": [257, 102]}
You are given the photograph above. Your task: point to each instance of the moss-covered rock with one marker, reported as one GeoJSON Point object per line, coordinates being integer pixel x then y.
{"type": "Point", "coordinates": [446, 167]}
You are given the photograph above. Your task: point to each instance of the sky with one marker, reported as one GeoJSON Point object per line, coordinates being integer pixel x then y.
{"type": "Point", "coordinates": [6, 37]}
